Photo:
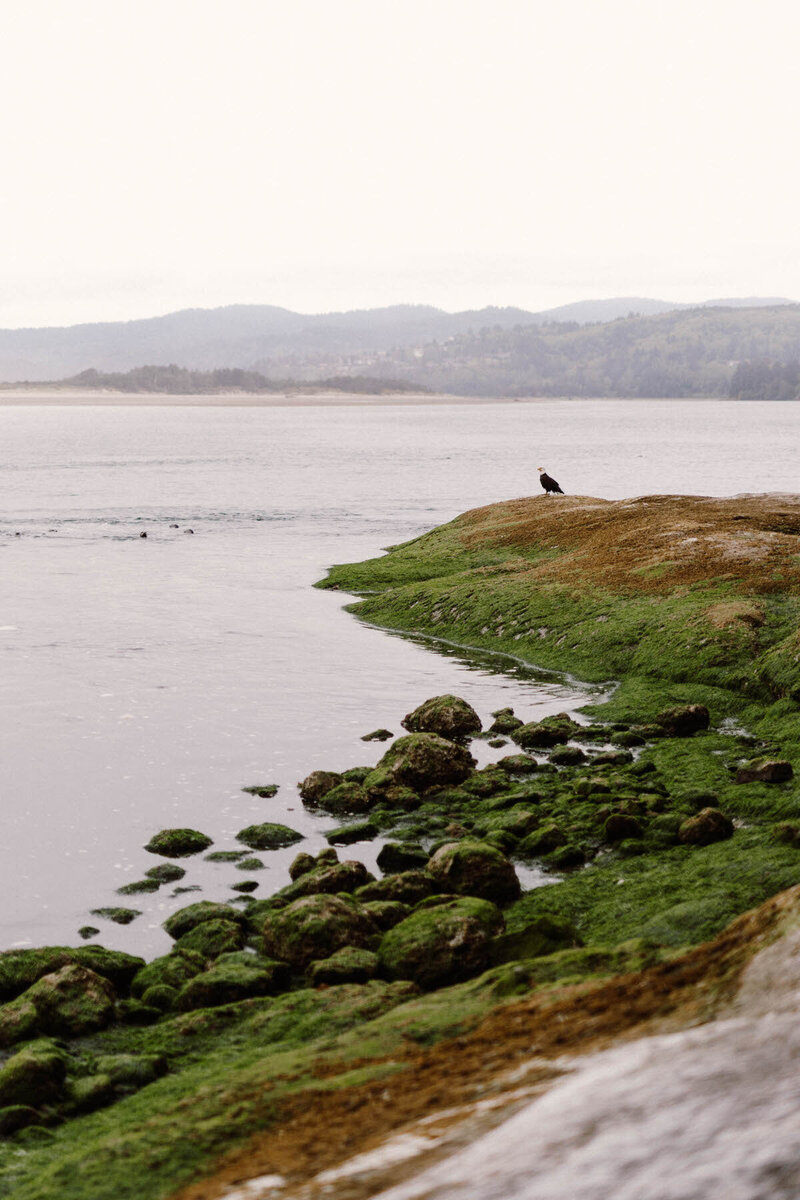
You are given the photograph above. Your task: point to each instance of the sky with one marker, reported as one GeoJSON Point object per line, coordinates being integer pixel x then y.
{"type": "Point", "coordinates": [336, 154]}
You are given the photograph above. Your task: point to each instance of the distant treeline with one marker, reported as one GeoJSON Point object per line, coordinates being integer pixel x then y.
{"type": "Point", "coordinates": [713, 352]}
{"type": "Point", "coordinates": [180, 381]}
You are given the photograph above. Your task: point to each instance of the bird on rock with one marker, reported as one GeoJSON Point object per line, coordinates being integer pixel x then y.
{"type": "Point", "coordinates": [548, 483]}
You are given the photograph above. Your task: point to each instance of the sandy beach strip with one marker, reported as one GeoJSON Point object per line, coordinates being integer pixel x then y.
{"type": "Point", "coordinates": [58, 397]}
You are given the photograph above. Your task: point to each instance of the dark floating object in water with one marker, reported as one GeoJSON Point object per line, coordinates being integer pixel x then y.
{"type": "Point", "coordinates": [121, 916]}
{"type": "Point", "coordinates": [173, 526]}
{"type": "Point", "coordinates": [188, 531]}
{"type": "Point", "coordinates": [264, 790]}
{"type": "Point", "coordinates": [143, 533]}
{"type": "Point", "coordinates": [88, 931]}
{"type": "Point", "coordinates": [378, 735]}
{"type": "Point", "coordinates": [548, 483]}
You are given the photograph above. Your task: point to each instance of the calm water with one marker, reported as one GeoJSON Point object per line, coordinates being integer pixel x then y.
{"type": "Point", "coordinates": [146, 681]}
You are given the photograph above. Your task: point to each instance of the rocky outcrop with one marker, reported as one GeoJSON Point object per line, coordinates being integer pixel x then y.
{"type": "Point", "coordinates": [448, 716]}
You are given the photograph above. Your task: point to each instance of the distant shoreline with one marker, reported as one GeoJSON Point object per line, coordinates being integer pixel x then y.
{"type": "Point", "coordinates": [68, 397]}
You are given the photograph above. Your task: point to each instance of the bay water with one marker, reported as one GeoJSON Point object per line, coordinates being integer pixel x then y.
{"type": "Point", "coordinates": [146, 681]}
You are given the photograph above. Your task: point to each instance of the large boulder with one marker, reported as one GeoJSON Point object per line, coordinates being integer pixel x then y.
{"type": "Point", "coordinates": [329, 879]}
{"type": "Point", "coordinates": [268, 836]}
{"type": "Point", "coordinates": [449, 716]}
{"type": "Point", "coordinates": [33, 1076]}
{"type": "Point", "coordinates": [683, 721]}
{"type": "Point", "coordinates": [710, 825]}
{"type": "Point", "coordinates": [178, 843]}
{"type": "Point", "coordinates": [348, 965]}
{"type": "Point", "coordinates": [170, 970]}
{"type": "Point", "coordinates": [21, 968]}
{"type": "Point", "coordinates": [212, 938]}
{"type": "Point", "coordinates": [472, 868]}
{"type": "Point", "coordinates": [73, 1001]}
{"type": "Point", "coordinates": [315, 927]}
{"type": "Point", "coordinates": [315, 785]}
{"type": "Point", "coordinates": [765, 770]}
{"type": "Point", "coordinates": [420, 761]}
{"type": "Point", "coordinates": [552, 731]}
{"type": "Point", "coordinates": [233, 977]}
{"type": "Point", "coordinates": [441, 944]}
{"type": "Point", "coordinates": [347, 797]}
{"type": "Point", "coordinates": [194, 914]}
{"type": "Point", "coordinates": [407, 887]}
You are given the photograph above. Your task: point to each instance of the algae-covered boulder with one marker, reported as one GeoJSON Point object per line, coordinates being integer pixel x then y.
{"type": "Point", "coordinates": [301, 864]}
{"type": "Point", "coordinates": [16, 1117]}
{"type": "Point", "coordinates": [315, 927]}
{"type": "Point", "coordinates": [377, 735]}
{"type": "Point", "coordinates": [407, 887]}
{"type": "Point", "coordinates": [19, 1021]}
{"type": "Point", "coordinates": [710, 825]}
{"type": "Point", "coordinates": [212, 938]}
{"type": "Point", "coordinates": [194, 914]}
{"type": "Point", "coordinates": [440, 945]}
{"type": "Point", "coordinates": [330, 878]}
{"type": "Point", "coordinates": [422, 760]}
{"type": "Point", "coordinates": [231, 979]}
{"type": "Point", "coordinates": [683, 721]}
{"type": "Point", "coordinates": [117, 914]}
{"type": "Point", "coordinates": [33, 1076]}
{"type": "Point", "coordinates": [552, 731]}
{"type": "Point", "coordinates": [21, 968]}
{"type": "Point", "coordinates": [544, 840]}
{"type": "Point", "coordinates": [567, 756]}
{"type": "Point", "coordinates": [348, 965]}
{"type": "Point", "coordinates": [545, 935]}
{"type": "Point", "coordinates": [73, 1001]}
{"type": "Point", "coordinates": [347, 835]}
{"type": "Point", "coordinates": [449, 716]}
{"type": "Point", "coordinates": [620, 826]}
{"type": "Point", "coordinates": [401, 856]}
{"type": "Point", "coordinates": [166, 873]}
{"type": "Point", "coordinates": [471, 868]}
{"type": "Point", "coordinates": [517, 764]}
{"type": "Point", "coordinates": [764, 770]}
{"type": "Point", "coordinates": [387, 913]}
{"type": "Point", "coordinates": [347, 797]}
{"type": "Point", "coordinates": [178, 843]}
{"type": "Point", "coordinates": [170, 970]}
{"type": "Point", "coordinates": [786, 833]}
{"type": "Point", "coordinates": [504, 721]}
{"type": "Point", "coordinates": [315, 785]}
{"type": "Point", "coordinates": [268, 836]}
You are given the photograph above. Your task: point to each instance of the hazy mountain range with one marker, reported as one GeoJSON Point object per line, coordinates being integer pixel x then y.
{"type": "Point", "coordinates": [287, 344]}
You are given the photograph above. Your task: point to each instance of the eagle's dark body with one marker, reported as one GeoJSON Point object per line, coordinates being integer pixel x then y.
{"type": "Point", "coordinates": [549, 484]}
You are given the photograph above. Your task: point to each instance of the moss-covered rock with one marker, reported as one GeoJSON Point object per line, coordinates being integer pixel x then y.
{"type": "Point", "coordinates": [422, 760]}
{"type": "Point", "coordinates": [552, 731]}
{"type": "Point", "coordinates": [504, 721]}
{"type": "Point", "coordinates": [178, 843]}
{"type": "Point", "coordinates": [765, 770]}
{"type": "Point", "coordinates": [117, 914]}
{"type": "Point", "coordinates": [472, 868]}
{"type": "Point", "coordinates": [567, 756]}
{"type": "Point", "coordinates": [544, 840]}
{"type": "Point", "coordinates": [265, 791]}
{"type": "Point", "coordinates": [33, 1076]}
{"type": "Point", "coordinates": [73, 1001]}
{"type": "Point", "coordinates": [407, 887]}
{"type": "Point", "coordinates": [268, 836]}
{"type": "Point", "coordinates": [138, 887]}
{"type": "Point", "coordinates": [347, 835]}
{"type": "Point", "coordinates": [786, 833]}
{"type": "Point", "coordinates": [443, 944]}
{"type": "Point", "coordinates": [327, 878]}
{"type": "Point", "coordinates": [348, 965]}
{"type": "Point", "coordinates": [347, 797]}
{"type": "Point", "coordinates": [88, 1093]}
{"type": "Point", "coordinates": [545, 935]}
{"type": "Point", "coordinates": [170, 970]}
{"type": "Point", "coordinates": [160, 996]}
{"type": "Point", "coordinates": [387, 913]}
{"type": "Point", "coordinates": [620, 826]}
{"type": "Point", "coordinates": [21, 968]}
{"type": "Point", "coordinates": [212, 938]}
{"type": "Point", "coordinates": [401, 856]}
{"type": "Point", "coordinates": [229, 982]}
{"type": "Point", "coordinates": [448, 716]}
{"type": "Point", "coordinates": [518, 764]}
{"type": "Point", "coordinates": [377, 735]}
{"type": "Point", "coordinates": [18, 1116]}
{"type": "Point", "coordinates": [315, 785]}
{"type": "Point", "coordinates": [187, 918]}
{"type": "Point", "coordinates": [19, 1021]}
{"type": "Point", "coordinates": [684, 720]}
{"type": "Point", "coordinates": [167, 872]}
{"type": "Point", "coordinates": [315, 927]}
{"type": "Point", "coordinates": [710, 825]}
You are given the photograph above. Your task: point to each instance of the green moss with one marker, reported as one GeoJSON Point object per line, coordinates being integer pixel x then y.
{"type": "Point", "coordinates": [268, 836]}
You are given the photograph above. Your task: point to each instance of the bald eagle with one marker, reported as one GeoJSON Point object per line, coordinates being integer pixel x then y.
{"type": "Point", "coordinates": [548, 483]}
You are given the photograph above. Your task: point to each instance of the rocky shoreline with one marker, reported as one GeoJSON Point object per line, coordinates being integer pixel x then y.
{"type": "Point", "coordinates": [670, 812]}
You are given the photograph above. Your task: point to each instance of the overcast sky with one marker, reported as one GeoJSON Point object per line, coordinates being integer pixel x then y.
{"type": "Point", "coordinates": [334, 154]}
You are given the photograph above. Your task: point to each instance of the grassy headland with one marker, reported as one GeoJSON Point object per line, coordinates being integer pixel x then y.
{"type": "Point", "coordinates": [253, 1049]}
